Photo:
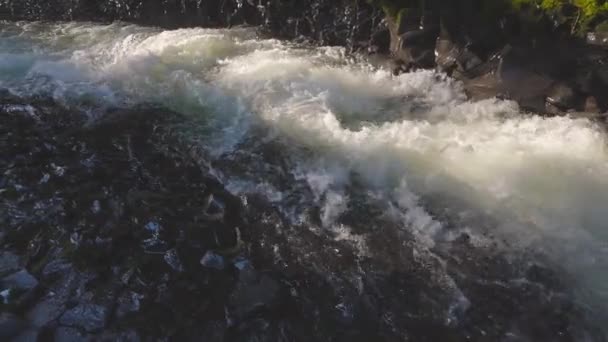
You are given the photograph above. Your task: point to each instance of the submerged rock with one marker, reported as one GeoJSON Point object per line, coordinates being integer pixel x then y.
{"type": "Point", "coordinates": [10, 326]}
{"type": "Point", "coordinates": [9, 262]}
{"type": "Point", "coordinates": [18, 288]}
{"type": "Point", "coordinates": [212, 260]}
{"type": "Point", "coordinates": [30, 335]}
{"type": "Point", "coordinates": [562, 96]}
{"type": "Point", "coordinates": [252, 292]}
{"type": "Point", "coordinates": [22, 281]}
{"type": "Point", "coordinates": [64, 334]}
{"type": "Point", "coordinates": [90, 317]}
{"type": "Point", "coordinates": [128, 303]}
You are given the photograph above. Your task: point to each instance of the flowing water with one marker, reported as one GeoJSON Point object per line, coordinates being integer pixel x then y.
{"type": "Point", "coordinates": [314, 128]}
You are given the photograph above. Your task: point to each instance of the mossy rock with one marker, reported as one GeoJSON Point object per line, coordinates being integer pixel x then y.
{"type": "Point", "coordinates": [602, 27]}
{"type": "Point", "coordinates": [577, 15]}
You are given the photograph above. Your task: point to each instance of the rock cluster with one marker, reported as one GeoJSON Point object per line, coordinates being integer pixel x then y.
{"type": "Point", "coordinates": [114, 230]}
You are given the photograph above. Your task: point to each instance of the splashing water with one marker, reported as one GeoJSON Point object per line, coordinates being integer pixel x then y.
{"type": "Point", "coordinates": [436, 159]}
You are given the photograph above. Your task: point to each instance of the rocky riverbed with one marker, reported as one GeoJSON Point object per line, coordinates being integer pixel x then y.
{"type": "Point", "coordinates": [423, 182]}
{"type": "Point", "coordinates": [115, 229]}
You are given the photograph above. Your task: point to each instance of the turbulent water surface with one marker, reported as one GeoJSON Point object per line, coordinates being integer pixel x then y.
{"type": "Point", "coordinates": [342, 147]}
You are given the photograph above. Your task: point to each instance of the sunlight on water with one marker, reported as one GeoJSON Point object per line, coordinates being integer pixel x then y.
{"type": "Point", "coordinates": [543, 180]}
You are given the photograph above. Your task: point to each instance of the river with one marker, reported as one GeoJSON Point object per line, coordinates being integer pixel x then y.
{"type": "Point", "coordinates": [341, 146]}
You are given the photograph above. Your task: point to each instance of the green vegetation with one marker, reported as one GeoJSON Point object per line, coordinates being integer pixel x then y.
{"type": "Point", "coordinates": [577, 15]}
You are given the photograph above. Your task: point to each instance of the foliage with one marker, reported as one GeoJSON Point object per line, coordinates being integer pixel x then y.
{"type": "Point", "coordinates": [585, 12]}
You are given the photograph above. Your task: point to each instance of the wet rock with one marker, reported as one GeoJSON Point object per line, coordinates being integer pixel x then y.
{"type": "Point", "coordinates": [47, 310]}
{"type": "Point", "coordinates": [415, 49]}
{"type": "Point", "coordinates": [562, 96]}
{"type": "Point", "coordinates": [525, 87]}
{"type": "Point", "coordinates": [30, 335]}
{"type": "Point", "coordinates": [598, 38]}
{"type": "Point", "coordinates": [10, 326]}
{"type": "Point", "coordinates": [591, 105]}
{"type": "Point", "coordinates": [123, 336]}
{"type": "Point", "coordinates": [446, 54]}
{"type": "Point", "coordinates": [18, 287]}
{"type": "Point", "coordinates": [89, 317]}
{"type": "Point", "coordinates": [252, 292]}
{"type": "Point", "coordinates": [451, 57]}
{"type": "Point", "coordinates": [380, 42]}
{"type": "Point", "coordinates": [55, 268]}
{"type": "Point", "coordinates": [552, 109]}
{"type": "Point", "coordinates": [172, 259]}
{"type": "Point", "coordinates": [21, 280]}
{"type": "Point", "coordinates": [212, 260]}
{"type": "Point", "coordinates": [398, 67]}
{"type": "Point", "coordinates": [128, 303]}
{"type": "Point", "coordinates": [67, 281]}
{"type": "Point", "coordinates": [9, 262]}
{"type": "Point", "coordinates": [65, 334]}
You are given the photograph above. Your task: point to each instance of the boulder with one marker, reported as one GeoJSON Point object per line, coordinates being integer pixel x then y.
{"type": "Point", "coordinates": [9, 262]}
{"type": "Point", "coordinates": [18, 288]}
{"type": "Point", "coordinates": [64, 334]}
{"type": "Point", "coordinates": [10, 326]}
{"type": "Point", "coordinates": [598, 38]}
{"type": "Point", "coordinates": [591, 105]}
{"type": "Point", "coordinates": [253, 291]}
{"type": "Point", "coordinates": [89, 317]}
{"type": "Point", "coordinates": [128, 303]}
{"type": "Point", "coordinates": [213, 260]}
{"type": "Point", "coordinates": [29, 335]}
{"type": "Point", "coordinates": [562, 96]}
{"type": "Point", "coordinates": [21, 280]}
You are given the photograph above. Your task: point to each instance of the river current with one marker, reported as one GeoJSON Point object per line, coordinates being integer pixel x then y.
{"type": "Point", "coordinates": [325, 136]}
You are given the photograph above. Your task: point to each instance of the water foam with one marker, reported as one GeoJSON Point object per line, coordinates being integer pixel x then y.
{"type": "Point", "coordinates": [412, 137]}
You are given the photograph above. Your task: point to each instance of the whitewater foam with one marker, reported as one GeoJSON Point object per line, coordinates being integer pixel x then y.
{"type": "Point", "coordinates": [412, 137]}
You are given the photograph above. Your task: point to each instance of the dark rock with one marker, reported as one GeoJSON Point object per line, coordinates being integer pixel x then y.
{"type": "Point", "coordinates": [18, 288]}
{"type": "Point", "coordinates": [380, 41]}
{"type": "Point", "coordinates": [253, 291]}
{"type": "Point", "coordinates": [10, 326]}
{"type": "Point", "coordinates": [527, 88]}
{"type": "Point", "coordinates": [598, 38]}
{"type": "Point", "coordinates": [123, 336]}
{"type": "Point", "coordinates": [591, 105]}
{"type": "Point", "coordinates": [215, 332]}
{"type": "Point", "coordinates": [47, 310]}
{"type": "Point", "coordinates": [64, 334]}
{"type": "Point", "coordinates": [21, 280]}
{"type": "Point", "coordinates": [56, 268]}
{"type": "Point", "coordinates": [89, 317]}
{"type": "Point", "coordinates": [172, 259]}
{"type": "Point", "coordinates": [562, 96]}
{"type": "Point", "coordinates": [30, 335]}
{"type": "Point", "coordinates": [398, 66]}
{"type": "Point", "coordinates": [446, 54]}
{"type": "Point", "coordinates": [54, 302]}
{"type": "Point", "coordinates": [128, 303]}
{"type": "Point", "coordinates": [212, 260]}
{"type": "Point", "coordinates": [415, 49]}
{"type": "Point", "coordinates": [9, 262]}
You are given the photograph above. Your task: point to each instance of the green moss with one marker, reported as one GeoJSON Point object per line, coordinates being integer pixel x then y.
{"type": "Point", "coordinates": [602, 27]}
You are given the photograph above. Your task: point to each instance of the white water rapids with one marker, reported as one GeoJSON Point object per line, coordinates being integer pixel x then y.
{"type": "Point", "coordinates": [413, 138]}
